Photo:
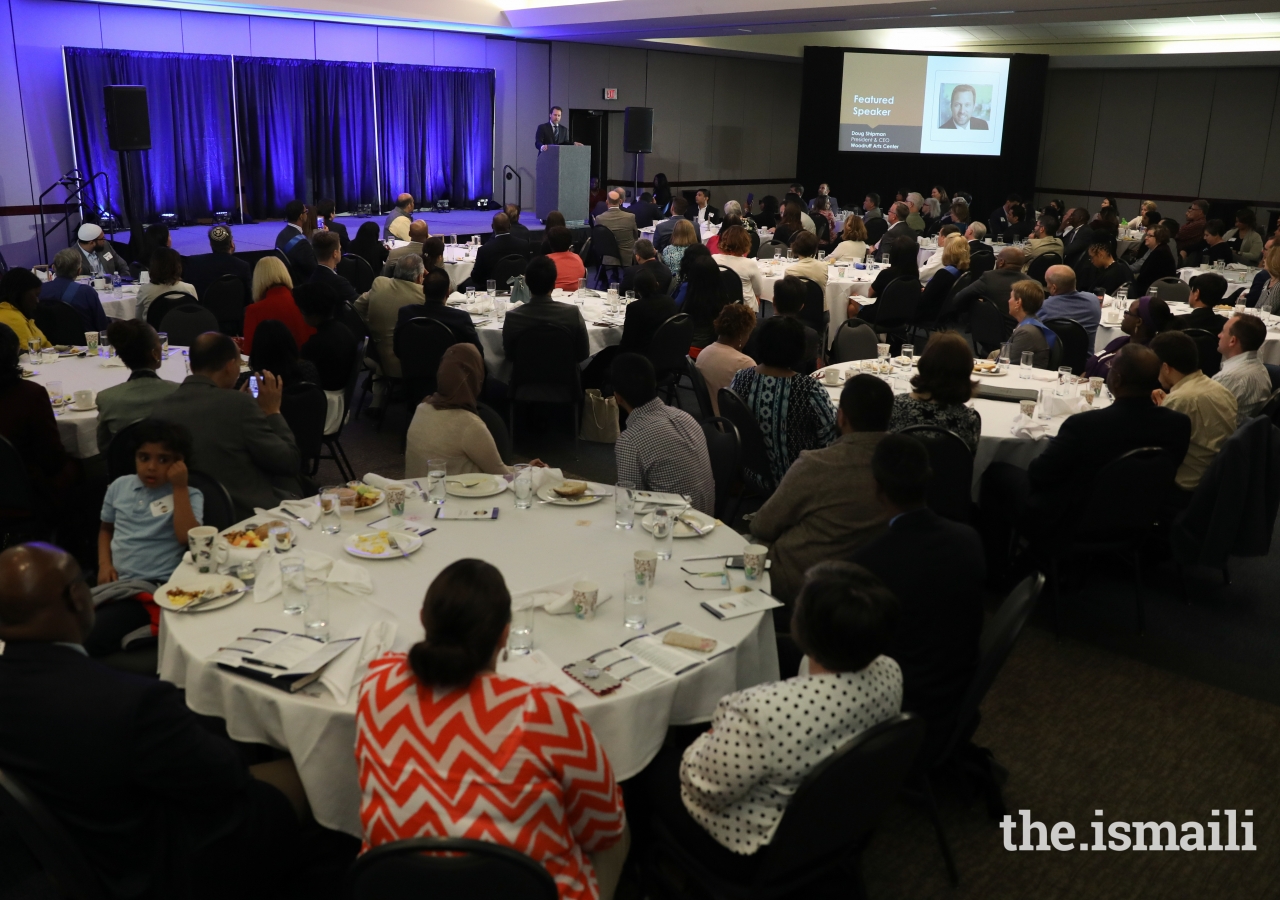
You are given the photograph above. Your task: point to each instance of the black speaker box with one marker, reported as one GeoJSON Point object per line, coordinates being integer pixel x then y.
{"type": "Point", "coordinates": [128, 122]}
{"type": "Point", "coordinates": [637, 130]}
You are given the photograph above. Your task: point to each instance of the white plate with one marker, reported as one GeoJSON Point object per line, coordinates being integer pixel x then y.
{"type": "Point", "coordinates": [817, 376]}
{"type": "Point", "coordinates": [196, 581]}
{"type": "Point", "coordinates": [1116, 324]}
{"type": "Point", "coordinates": [382, 498]}
{"type": "Point", "coordinates": [72, 408]}
{"type": "Point", "coordinates": [547, 493]}
{"type": "Point", "coordinates": [476, 484]}
{"type": "Point", "coordinates": [994, 373]}
{"type": "Point", "coordinates": [683, 530]}
{"type": "Point", "coordinates": [410, 543]}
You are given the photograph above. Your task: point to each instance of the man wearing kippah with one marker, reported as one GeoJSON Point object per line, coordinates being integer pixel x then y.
{"type": "Point", "coordinates": [220, 262]}
{"type": "Point", "coordinates": [99, 258]}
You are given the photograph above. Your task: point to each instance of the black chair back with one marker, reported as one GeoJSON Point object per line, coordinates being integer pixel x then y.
{"type": "Point", "coordinates": [17, 492]}
{"type": "Point", "coordinates": [507, 268]}
{"type": "Point", "coordinates": [980, 262]}
{"type": "Point", "coordinates": [725, 449]}
{"type": "Point", "coordinates": [304, 407]}
{"type": "Point", "coordinates": [669, 348]}
{"type": "Point", "coordinates": [288, 263]}
{"type": "Point", "coordinates": [1147, 475]}
{"type": "Point", "coordinates": [1075, 343]}
{"type": "Point", "coordinates": [767, 248]}
{"type": "Point", "coordinates": [814, 311]}
{"type": "Point", "coordinates": [1041, 264]}
{"type": "Point", "coordinates": [701, 392]}
{"type": "Point", "coordinates": [225, 298]}
{"type": "Point", "coordinates": [604, 247]}
{"type": "Point", "coordinates": [348, 316]}
{"type": "Point", "coordinates": [120, 453]}
{"type": "Point", "coordinates": [187, 322]}
{"type": "Point", "coordinates": [986, 326]}
{"type": "Point", "coordinates": [1207, 344]}
{"type": "Point", "coordinates": [63, 863]}
{"type": "Point", "coordinates": [357, 271]}
{"type": "Point", "coordinates": [497, 430]}
{"type": "Point", "coordinates": [60, 322]}
{"type": "Point", "coordinates": [1271, 409]}
{"type": "Point", "coordinates": [1171, 289]}
{"type": "Point", "coordinates": [161, 306]}
{"type": "Point", "coordinates": [950, 490]}
{"type": "Point", "coordinates": [842, 799]}
{"type": "Point", "coordinates": [730, 286]}
{"type": "Point", "coordinates": [448, 867]}
{"type": "Point", "coordinates": [219, 511]}
{"type": "Point", "coordinates": [544, 367]}
{"type": "Point", "coordinates": [898, 305]}
{"type": "Point", "coordinates": [855, 339]}
{"type": "Point", "coordinates": [419, 344]}
{"type": "Point", "coordinates": [755, 457]}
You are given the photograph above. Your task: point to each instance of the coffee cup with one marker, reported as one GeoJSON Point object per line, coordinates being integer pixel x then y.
{"type": "Point", "coordinates": [585, 596]}
{"type": "Point", "coordinates": [99, 284]}
{"type": "Point", "coordinates": [1027, 408]}
{"type": "Point", "coordinates": [831, 376]}
{"type": "Point", "coordinates": [646, 563]}
{"type": "Point", "coordinates": [82, 399]}
{"type": "Point", "coordinates": [753, 561]}
{"type": "Point", "coordinates": [206, 552]}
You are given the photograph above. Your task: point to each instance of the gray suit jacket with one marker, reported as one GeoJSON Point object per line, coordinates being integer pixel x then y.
{"type": "Point", "coordinates": [108, 258]}
{"type": "Point", "coordinates": [663, 230]}
{"type": "Point", "coordinates": [623, 226]}
{"type": "Point", "coordinates": [122, 405]}
{"type": "Point", "coordinates": [254, 455]}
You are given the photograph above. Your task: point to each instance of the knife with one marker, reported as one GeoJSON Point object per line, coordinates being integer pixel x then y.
{"type": "Point", "coordinates": [301, 521]}
{"type": "Point", "coordinates": [396, 543]}
{"type": "Point", "coordinates": [203, 600]}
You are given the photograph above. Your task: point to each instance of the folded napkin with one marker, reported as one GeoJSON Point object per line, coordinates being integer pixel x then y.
{"type": "Point", "coordinates": [1024, 427]}
{"type": "Point", "coordinates": [555, 599]}
{"type": "Point", "coordinates": [308, 509]}
{"type": "Point", "coordinates": [374, 480]}
{"type": "Point", "coordinates": [542, 477]}
{"type": "Point", "coordinates": [348, 576]}
{"type": "Point", "coordinates": [1064, 406]}
{"type": "Point", "coordinates": [348, 670]}
{"type": "Point", "coordinates": [114, 362]}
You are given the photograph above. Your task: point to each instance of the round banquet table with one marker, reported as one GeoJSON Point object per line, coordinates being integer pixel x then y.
{"type": "Point", "coordinates": [124, 306]}
{"type": "Point", "coordinates": [840, 287]}
{"type": "Point", "coordinates": [459, 260]}
{"type": "Point", "coordinates": [533, 548]}
{"type": "Point", "coordinates": [1268, 353]}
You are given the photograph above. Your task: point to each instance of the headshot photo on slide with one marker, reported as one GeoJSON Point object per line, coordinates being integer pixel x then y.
{"type": "Point", "coordinates": [964, 107]}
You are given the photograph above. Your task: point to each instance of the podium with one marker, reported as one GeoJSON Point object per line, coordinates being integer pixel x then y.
{"type": "Point", "coordinates": [564, 183]}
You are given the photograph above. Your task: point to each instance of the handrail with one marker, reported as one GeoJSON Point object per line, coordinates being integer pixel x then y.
{"type": "Point", "coordinates": [80, 192]}
{"type": "Point", "coordinates": [507, 174]}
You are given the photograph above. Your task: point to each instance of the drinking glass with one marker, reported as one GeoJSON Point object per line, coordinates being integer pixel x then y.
{"type": "Point", "coordinates": [330, 510]}
{"type": "Point", "coordinates": [777, 253]}
{"type": "Point", "coordinates": [822, 255]}
{"type": "Point", "coordinates": [908, 353]}
{"type": "Point", "coordinates": [615, 288]}
{"type": "Point", "coordinates": [281, 538]}
{"type": "Point", "coordinates": [522, 486]}
{"type": "Point", "coordinates": [33, 349]}
{"type": "Point", "coordinates": [631, 295]}
{"type": "Point", "coordinates": [1028, 363]}
{"type": "Point", "coordinates": [471, 296]}
{"type": "Point", "coordinates": [582, 290]}
{"type": "Point", "coordinates": [1065, 381]}
{"type": "Point", "coordinates": [491, 288]}
{"type": "Point", "coordinates": [663, 532]}
{"type": "Point", "coordinates": [435, 481]}
{"type": "Point", "coordinates": [635, 598]}
{"type": "Point", "coordinates": [791, 256]}
{"type": "Point", "coordinates": [247, 572]}
{"type": "Point", "coordinates": [164, 344]}
{"type": "Point", "coordinates": [55, 395]}
{"type": "Point", "coordinates": [520, 638]}
{"type": "Point", "coordinates": [1042, 406]}
{"type": "Point", "coordinates": [293, 585]}
{"type": "Point", "coordinates": [315, 617]}
{"type": "Point", "coordinates": [1153, 290]}
{"type": "Point", "coordinates": [499, 308]}
{"type": "Point", "coordinates": [1006, 354]}
{"type": "Point", "coordinates": [104, 346]}
{"type": "Point", "coordinates": [451, 239]}
{"type": "Point", "coordinates": [91, 343]}
{"type": "Point", "coordinates": [624, 505]}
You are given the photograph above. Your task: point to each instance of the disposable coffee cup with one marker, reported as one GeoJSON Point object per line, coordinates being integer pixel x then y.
{"type": "Point", "coordinates": [753, 561]}
{"type": "Point", "coordinates": [585, 596]}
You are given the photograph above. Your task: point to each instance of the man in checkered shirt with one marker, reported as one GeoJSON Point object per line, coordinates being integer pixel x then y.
{"type": "Point", "coordinates": [662, 448]}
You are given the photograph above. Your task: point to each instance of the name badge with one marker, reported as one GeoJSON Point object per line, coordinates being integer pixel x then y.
{"type": "Point", "coordinates": [107, 256]}
{"type": "Point", "coordinates": [162, 507]}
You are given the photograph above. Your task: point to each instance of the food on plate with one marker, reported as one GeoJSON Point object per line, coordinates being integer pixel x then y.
{"type": "Point", "coordinates": [378, 543]}
{"type": "Point", "coordinates": [179, 597]}
{"type": "Point", "coordinates": [366, 496]}
{"type": "Point", "coordinates": [1222, 307]}
{"type": "Point", "coordinates": [244, 539]}
{"type": "Point", "coordinates": [984, 365]}
{"type": "Point", "coordinates": [263, 531]}
{"type": "Point", "coordinates": [571, 488]}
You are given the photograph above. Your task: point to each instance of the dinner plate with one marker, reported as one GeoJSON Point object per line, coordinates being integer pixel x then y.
{"type": "Point", "coordinates": [382, 498]}
{"type": "Point", "coordinates": [476, 484]}
{"type": "Point", "coordinates": [547, 492]}
{"type": "Point", "coordinates": [844, 376]}
{"type": "Point", "coordinates": [994, 373]}
{"type": "Point", "coordinates": [193, 581]}
{"type": "Point", "coordinates": [409, 542]}
{"type": "Point", "coordinates": [682, 529]}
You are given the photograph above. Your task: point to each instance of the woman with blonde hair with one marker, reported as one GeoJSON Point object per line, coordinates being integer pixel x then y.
{"type": "Point", "coordinates": [682, 238]}
{"type": "Point", "coordinates": [273, 299]}
{"type": "Point", "coordinates": [955, 262]}
{"type": "Point", "coordinates": [853, 241]}
{"type": "Point", "coordinates": [1264, 293]}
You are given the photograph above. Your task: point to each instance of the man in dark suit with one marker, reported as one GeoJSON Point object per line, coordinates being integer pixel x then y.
{"type": "Point", "coordinates": [974, 234]}
{"type": "Point", "coordinates": [158, 805]}
{"type": "Point", "coordinates": [1207, 289]}
{"type": "Point", "coordinates": [939, 604]}
{"type": "Point", "coordinates": [645, 210]}
{"type": "Point", "coordinates": [1077, 236]}
{"type": "Point", "coordinates": [662, 231]}
{"type": "Point", "coordinates": [503, 243]}
{"type": "Point", "coordinates": [998, 222]}
{"type": "Point", "coordinates": [898, 228]}
{"type": "Point", "coordinates": [332, 349]}
{"type": "Point", "coordinates": [221, 261]}
{"type": "Point", "coordinates": [553, 132]}
{"type": "Point", "coordinates": [645, 314]}
{"type": "Point", "coordinates": [646, 260]}
{"type": "Point", "coordinates": [541, 279]}
{"type": "Point", "coordinates": [963, 99]}
{"type": "Point", "coordinates": [328, 249]}
{"type": "Point", "coordinates": [703, 212]}
{"type": "Point", "coordinates": [292, 241]}
{"type": "Point", "coordinates": [435, 291]}
{"type": "Point", "coordinates": [513, 215]}
{"type": "Point", "coordinates": [994, 286]}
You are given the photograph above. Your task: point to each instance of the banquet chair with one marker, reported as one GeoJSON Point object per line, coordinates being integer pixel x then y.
{"type": "Point", "coordinates": [1273, 372]}
{"type": "Point", "coordinates": [755, 459]}
{"type": "Point", "coordinates": [1172, 289]}
{"type": "Point", "coordinates": [1040, 265]}
{"type": "Point", "coordinates": [419, 345]}
{"type": "Point", "coordinates": [767, 248]}
{"type": "Point", "coordinates": [950, 489]}
{"type": "Point", "coordinates": [497, 430]}
{"type": "Point", "coordinates": [981, 262]}
{"type": "Point", "coordinates": [604, 256]}
{"type": "Point", "coordinates": [855, 339]}
{"type": "Point", "coordinates": [164, 304]}
{"type": "Point", "coordinates": [63, 863]}
{"type": "Point", "coordinates": [1074, 341]}
{"type": "Point", "coordinates": [219, 511]}
{"type": "Point", "coordinates": [1207, 344]}
{"type": "Point", "coordinates": [701, 392]}
{"type": "Point", "coordinates": [814, 312]}
{"type": "Point", "coordinates": [304, 407]}
{"type": "Point", "coordinates": [226, 300]}
{"type": "Point", "coordinates": [668, 350]}
{"type": "Point", "coordinates": [986, 327]}
{"type": "Point", "coordinates": [725, 451]}
{"type": "Point", "coordinates": [18, 498]}
{"type": "Point", "coordinates": [60, 322]}
{"type": "Point", "coordinates": [730, 286]}
{"type": "Point", "coordinates": [373, 354]}
{"type": "Point", "coordinates": [894, 309]}
{"type": "Point", "coordinates": [507, 268]}
{"type": "Point", "coordinates": [447, 867]}
{"type": "Point", "coordinates": [333, 440]}
{"type": "Point", "coordinates": [544, 370]}
{"type": "Point", "coordinates": [357, 271]}
{"type": "Point", "coordinates": [120, 453]}
{"type": "Point", "coordinates": [817, 848]}
{"type": "Point", "coordinates": [187, 322]}
{"type": "Point", "coordinates": [348, 316]}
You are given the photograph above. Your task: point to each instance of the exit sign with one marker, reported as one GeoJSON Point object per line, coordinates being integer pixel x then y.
{"type": "Point", "coordinates": [611, 93]}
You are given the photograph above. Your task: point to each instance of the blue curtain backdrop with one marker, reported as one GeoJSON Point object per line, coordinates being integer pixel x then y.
{"type": "Point", "coordinates": [435, 132]}
{"type": "Point", "coordinates": [191, 166]}
{"type": "Point", "coordinates": [306, 132]}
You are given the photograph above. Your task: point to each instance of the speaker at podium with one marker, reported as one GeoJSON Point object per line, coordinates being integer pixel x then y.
{"type": "Point", "coordinates": [564, 183]}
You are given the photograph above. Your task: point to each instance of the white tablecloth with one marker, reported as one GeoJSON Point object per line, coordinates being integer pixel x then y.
{"type": "Point", "coordinates": [839, 289]}
{"type": "Point", "coordinates": [459, 260]}
{"type": "Point", "coordinates": [536, 547]}
{"type": "Point", "coordinates": [1268, 353]}
{"type": "Point", "coordinates": [123, 307]}
{"type": "Point", "coordinates": [1236, 277]}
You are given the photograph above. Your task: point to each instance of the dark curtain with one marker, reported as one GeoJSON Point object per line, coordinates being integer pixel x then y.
{"type": "Point", "coordinates": [306, 132]}
{"type": "Point", "coordinates": [190, 169]}
{"type": "Point", "coordinates": [435, 129]}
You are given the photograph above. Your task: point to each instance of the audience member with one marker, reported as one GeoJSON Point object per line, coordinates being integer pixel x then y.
{"type": "Point", "coordinates": [96, 255]}
{"type": "Point", "coordinates": [679, 240]}
{"type": "Point", "coordinates": [902, 268]}
{"type": "Point", "coordinates": [1077, 236]}
{"type": "Point", "coordinates": [369, 247]}
{"type": "Point", "coordinates": [19, 301]}
{"type": "Point", "coordinates": [1245, 238]}
{"type": "Point", "coordinates": [325, 212]}
{"type": "Point", "coordinates": [940, 390]}
{"type": "Point", "coordinates": [821, 208]}
{"type": "Point", "coordinates": [1098, 270]}
{"type": "Point", "coordinates": [293, 241]}
{"type": "Point", "coordinates": [65, 289]}
{"type": "Point", "coordinates": [119, 406]}
{"type": "Point", "coordinates": [222, 262]}
{"type": "Point", "coordinates": [1044, 239]}
{"type": "Point", "coordinates": [720, 360]}
{"type": "Point", "coordinates": [513, 214]}
{"type": "Point", "coordinates": [1216, 249]}
{"type": "Point", "coordinates": [541, 309]}
{"type": "Point", "coordinates": [661, 448]}
{"type": "Point", "coordinates": [853, 241]}
{"type": "Point", "coordinates": [380, 308]}
{"type": "Point", "coordinates": [420, 231]}
{"type": "Point", "coordinates": [503, 243]}
{"type": "Point", "coordinates": [788, 303]}
{"type": "Point", "coordinates": [976, 235]}
{"type": "Point", "coordinates": [1065, 302]}
{"type": "Point", "coordinates": [805, 247]}
{"type": "Point", "coordinates": [27, 420]}
{"type": "Point", "coordinates": [999, 221]}
{"type": "Point", "coordinates": [1192, 231]}
{"type": "Point", "coordinates": [954, 262]}
{"type": "Point", "coordinates": [244, 444]}
{"type": "Point", "coordinates": [898, 228]}
{"type": "Point", "coordinates": [332, 348]}
{"type": "Point", "coordinates": [1025, 299]}
{"type": "Point", "coordinates": [435, 294]}
{"type": "Point", "coordinates": [645, 210]}
{"type": "Point", "coordinates": [646, 260]}
{"type": "Point", "coordinates": [273, 299]}
{"type": "Point", "coordinates": [664, 230]}
{"type": "Point", "coordinates": [915, 221]}
{"type": "Point", "coordinates": [166, 277]}
{"type": "Point", "coordinates": [793, 410]}
{"type": "Point", "coordinates": [1143, 320]}
{"type": "Point", "coordinates": [645, 314]}
{"type": "Point", "coordinates": [825, 506]}
{"type": "Point", "coordinates": [622, 224]}
{"type": "Point", "coordinates": [1264, 293]}
{"type": "Point", "coordinates": [735, 244]}
{"type": "Point", "coordinates": [433, 256]}
{"type": "Point", "coordinates": [703, 212]}
{"type": "Point", "coordinates": [934, 262]}
{"type": "Point", "coordinates": [328, 250]}
{"type": "Point", "coordinates": [700, 296]}
{"type": "Point", "coordinates": [569, 266]}
{"type": "Point", "coordinates": [275, 351]}
{"type": "Point", "coordinates": [396, 224]}
{"type": "Point", "coordinates": [1242, 372]}
{"type": "Point", "coordinates": [1211, 407]}
{"type": "Point", "coordinates": [1156, 263]}
{"type": "Point", "coordinates": [1207, 291]}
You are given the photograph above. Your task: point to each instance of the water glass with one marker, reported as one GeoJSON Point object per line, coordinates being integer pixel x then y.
{"type": "Point", "coordinates": [293, 585]}
{"type": "Point", "coordinates": [435, 481]}
{"type": "Point", "coordinates": [33, 349]}
{"type": "Point", "coordinates": [281, 538]}
{"type": "Point", "coordinates": [247, 572]}
{"type": "Point", "coordinates": [471, 296]}
{"type": "Point", "coordinates": [346, 504]}
{"type": "Point", "coordinates": [615, 288]}
{"type": "Point", "coordinates": [777, 253]}
{"type": "Point", "coordinates": [55, 394]}
{"type": "Point", "coordinates": [315, 617]}
{"type": "Point", "coordinates": [822, 255]}
{"type": "Point", "coordinates": [1042, 406]}
{"type": "Point", "coordinates": [164, 344]}
{"type": "Point", "coordinates": [908, 353]}
{"type": "Point", "coordinates": [663, 532]}
{"type": "Point", "coordinates": [791, 256]}
{"type": "Point", "coordinates": [520, 638]}
{"type": "Point", "coordinates": [1065, 381]}
{"type": "Point", "coordinates": [1004, 360]}
{"type": "Point", "coordinates": [104, 346]}
{"type": "Point", "coordinates": [635, 598]}
{"type": "Point", "coordinates": [491, 288]}
{"type": "Point", "coordinates": [330, 510]}
{"type": "Point", "coordinates": [1028, 363]}
{"type": "Point", "coordinates": [522, 486]}
{"type": "Point", "coordinates": [582, 290]}
{"type": "Point", "coordinates": [624, 505]}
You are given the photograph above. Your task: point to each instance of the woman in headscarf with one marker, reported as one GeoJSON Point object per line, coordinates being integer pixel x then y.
{"type": "Point", "coordinates": [447, 425]}
{"type": "Point", "coordinates": [1145, 318]}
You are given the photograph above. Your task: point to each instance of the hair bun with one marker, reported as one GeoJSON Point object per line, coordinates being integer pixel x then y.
{"type": "Point", "coordinates": [443, 665]}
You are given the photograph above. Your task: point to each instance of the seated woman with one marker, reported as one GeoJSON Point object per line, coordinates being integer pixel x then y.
{"type": "Point", "coordinates": [940, 390]}
{"type": "Point", "coordinates": [368, 245]}
{"type": "Point", "coordinates": [1143, 320]}
{"type": "Point", "coordinates": [903, 263]}
{"type": "Point", "coordinates": [166, 276]}
{"type": "Point", "coordinates": [1264, 293]}
{"type": "Point", "coordinates": [822, 207]}
{"type": "Point", "coordinates": [19, 302]}
{"type": "Point", "coordinates": [735, 244]}
{"type": "Point", "coordinates": [736, 779]}
{"type": "Point", "coordinates": [433, 254]}
{"type": "Point", "coordinates": [528, 749]}
{"type": "Point", "coordinates": [768, 215]}
{"type": "Point", "coordinates": [683, 237]}
{"type": "Point", "coordinates": [645, 314]}
{"type": "Point", "coordinates": [273, 299]}
{"type": "Point", "coordinates": [1245, 238]}
{"type": "Point", "coordinates": [569, 267]}
{"type": "Point", "coordinates": [955, 262]}
{"type": "Point", "coordinates": [555, 218]}
{"type": "Point", "coordinates": [1156, 264]}
{"type": "Point", "coordinates": [794, 411]}
{"type": "Point", "coordinates": [790, 225]}
{"type": "Point", "coordinates": [721, 361]}
{"type": "Point", "coordinates": [700, 295]}
{"type": "Point", "coordinates": [853, 242]}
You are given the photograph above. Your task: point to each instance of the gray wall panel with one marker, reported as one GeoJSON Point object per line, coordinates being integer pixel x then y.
{"type": "Point", "coordinates": [1071, 111]}
{"type": "Point", "coordinates": [1124, 129]}
{"type": "Point", "coordinates": [1238, 134]}
{"type": "Point", "coordinates": [1179, 131]}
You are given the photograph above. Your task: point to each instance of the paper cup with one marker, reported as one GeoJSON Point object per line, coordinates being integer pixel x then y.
{"type": "Point", "coordinates": [585, 596]}
{"type": "Point", "coordinates": [646, 563]}
{"type": "Point", "coordinates": [753, 561]}
{"type": "Point", "coordinates": [395, 499]}
{"type": "Point", "coordinates": [1027, 408]}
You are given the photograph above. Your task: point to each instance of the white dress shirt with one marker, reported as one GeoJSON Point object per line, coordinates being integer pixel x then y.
{"type": "Point", "coordinates": [931, 266]}
{"type": "Point", "coordinates": [1245, 376]}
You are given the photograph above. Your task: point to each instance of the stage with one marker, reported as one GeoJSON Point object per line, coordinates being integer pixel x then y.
{"type": "Point", "coordinates": [190, 240]}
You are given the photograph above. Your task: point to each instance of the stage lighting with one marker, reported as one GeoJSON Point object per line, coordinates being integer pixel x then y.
{"type": "Point", "coordinates": [220, 216]}
{"type": "Point", "coordinates": [442, 206]}
{"type": "Point", "coordinates": [170, 219]}
{"type": "Point", "coordinates": [482, 203]}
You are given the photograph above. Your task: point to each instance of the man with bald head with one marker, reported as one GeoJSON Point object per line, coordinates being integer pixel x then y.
{"type": "Point", "coordinates": [622, 224]}
{"type": "Point", "coordinates": [1065, 302]}
{"type": "Point", "coordinates": [159, 806]}
{"type": "Point", "coordinates": [503, 243]}
{"type": "Point", "coordinates": [419, 230]}
{"type": "Point", "coordinates": [393, 227]}
{"type": "Point", "coordinates": [243, 442]}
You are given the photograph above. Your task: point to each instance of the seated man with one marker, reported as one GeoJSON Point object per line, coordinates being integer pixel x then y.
{"type": "Point", "coordinates": [435, 293]}
{"type": "Point", "coordinates": [221, 261]}
{"type": "Point", "coordinates": [242, 442]}
{"type": "Point", "coordinates": [328, 247]}
{"type": "Point", "coordinates": [646, 260]}
{"type": "Point", "coordinates": [332, 349]}
{"type": "Point", "coordinates": [540, 276]}
{"type": "Point", "coordinates": [80, 297]}
{"type": "Point", "coordinates": [503, 243]}
{"type": "Point", "coordinates": [662, 448]}
{"type": "Point", "coordinates": [993, 286]}
{"type": "Point", "coordinates": [1242, 372]}
{"type": "Point", "coordinates": [96, 256]}
{"type": "Point", "coordinates": [825, 506]}
{"type": "Point", "coordinates": [380, 308]}
{"type": "Point", "coordinates": [1216, 249]}
{"type": "Point", "coordinates": [645, 314]}
{"type": "Point", "coordinates": [1207, 290]}
{"type": "Point", "coordinates": [788, 302]}
{"type": "Point", "coordinates": [805, 247]}
{"type": "Point", "coordinates": [1098, 270]}
{"type": "Point", "coordinates": [160, 807]}
{"type": "Point", "coordinates": [939, 604]}
{"type": "Point", "coordinates": [1065, 302]}
{"type": "Point", "coordinates": [1211, 407]}
{"type": "Point", "coordinates": [569, 266]}
{"type": "Point", "coordinates": [1025, 300]}
{"type": "Point", "coordinates": [1044, 239]}
{"type": "Point", "coordinates": [396, 225]}
{"type": "Point", "coordinates": [419, 231]}
{"type": "Point", "coordinates": [119, 406]}
{"type": "Point", "coordinates": [663, 230]}
{"type": "Point", "coordinates": [292, 241]}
